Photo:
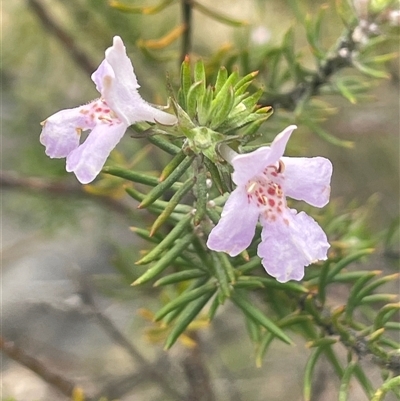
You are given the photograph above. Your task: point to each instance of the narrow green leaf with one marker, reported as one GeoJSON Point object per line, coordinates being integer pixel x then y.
{"type": "Point", "coordinates": [375, 336]}
{"type": "Point", "coordinates": [250, 102]}
{"type": "Point", "coordinates": [288, 50]}
{"type": "Point", "coordinates": [347, 277]}
{"type": "Point", "coordinates": [221, 276]}
{"type": "Point", "coordinates": [262, 348]}
{"type": "Point", "coordinates": [186, 81]}
{"type": "Point", "coordinates": [322, 342]}
{"type": "Point", "coordinates": [172, 165]}
{"type": "Point", "coordinates": [382, 58]}
{"type": "Point", "coordinates": [145, 234]}
{"type": "Point", "coordinates": [156, 192]}
{"type": "Point", "coordinates": [243, 83]}
{"type": "Point", "coordinates": [194, 95]}
{"type": "Point", "coordinates": [200, 74]}
{"type": "Point", "coordinates": [217, 16]}
{"type": "Point", "coordinates": [387, 386]}
{"type": "Point", "coordinates": [248, 282]}
{"type": "Point", "coordinates": [131, 175]}
{"type": "Point", "coordinates": [213, 308]}
{"type": "Point", "coordinates": [369, 70]}
{"type": "Point", "coordinates": [176, 312]}
{"type": "Point", "coordinates": [348, 260]}
{"type": "Point", "coordinates": [201, 195]}
{"type": "Point", "coordinates": [168, 240]}
{"type": "Point", "coordinates": [185, 318]}
{"type": "Point", "coordinates": [345, 91]}
{"type": "Point", "coordinates": [222, 77]}
{"type": "Point", "coordinates": [181, 98]}
{"type": "Point", "coordinates": [345, 12]}
{"type": "Point", "coordinates": [178, 277]}
{"type": "Point", "coordinates": [204, 108]}
{"type": "Point", "coordinates": [384, 298]}
{"type": "Point", "coordinates": [140, 10]}
{"type": "Point", "coordinates": [309, 372]}
{"type": "Point", "coordinates": [287, 321]}
{"type": "Point", "coordinates": [213, 215]}
{"type": "Point", "coordinates": [364, 381]}
{"type": "Point", "coordinates": [255, 314]}
{"type": "Point", "coordinates": [185, 122]}
{"type": "Point", "coordinates": [248, 267]}
{"type": "Point", "coordinates": [392, 326]}
{"type": "Point", "coordinates": [221, 110]}
{"type": "Point", "coordinates": [172, 204]}
{"type": "Point", "coordinates": [227, 266]}
{"type": "Point", "coordinates": [223, 87]}
{"type": "Point", "coordinates": [163, 144]}
{"type": "Point", "coordinates": [353, 299]}
{"type": "Point", "coordinates": [323, 281]}
{"type": "Point", "coordinates": [166, 260]}
{"type": "Point", "coordinates": [234, 122]}
{"type": "Point", "coordinates": [214, 172]}
{"type": "Point", "coordinates": [345, 382]}
{"type": "Point", "coordinates": [377, 283]}
{"type": "Point", "coordinates": [194, 261]}
{"type": "Point", "coordinates": [325, 135]}
{"type": "Point", "coordinates": [185, 298]}
{"type": "Point", "coordinates": [158, 205]}
{"type": "Point", "coordinates": [332, 358]}
{"type": "Point", "coordinates": [220, 201]}
{"type": "Point", "coordinates": [252, 129]}
{"type": "Point", "coordinates": [274, 63]}
{"type": "Point", "coordinates": [289, 286]}
{"type": "Point", "coordinates": [254, 330]}
{"type": "Point", "coordinates": [313, 31]}
{"type": "Point", "coordinates": [385, 313]}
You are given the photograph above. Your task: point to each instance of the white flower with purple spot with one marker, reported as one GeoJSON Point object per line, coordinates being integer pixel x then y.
{"type": "Point", "coordinates": [119, 106]}
{"type": "Point", "coordinates": [289, 240]}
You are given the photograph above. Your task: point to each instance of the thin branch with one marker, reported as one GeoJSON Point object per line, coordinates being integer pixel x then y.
{"type": "Point", "coordinates": [198, 377]}
{"type": "Point", "coordinates": [187, 11]}
{"type": "Point", "coordinates": [350, 339]}
{"type": "Point", "coordinates": [58, 32]}
{"type": "Point", "coordinates": [109, 327]}
{"type": "Point", "coordinates": [122, 386]}
{"type": "Point", "coordinates": [10, 179]}
{"type": "Point", "coordinates": [336, 60]}
{"type": "Point", "coordinates": [59, 382]}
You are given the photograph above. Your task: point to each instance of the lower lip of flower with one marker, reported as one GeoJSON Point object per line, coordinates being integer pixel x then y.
{"type": "Point", "coordinates": [265, 191]}
{"type": "Point", "coordinates": [98, 111]}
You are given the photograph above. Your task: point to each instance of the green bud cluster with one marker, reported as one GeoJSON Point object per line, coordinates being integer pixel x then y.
{"type": "Point", "coordinates": [215, 113]}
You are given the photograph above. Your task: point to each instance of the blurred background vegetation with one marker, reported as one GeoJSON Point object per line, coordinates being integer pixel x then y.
{"type": "Point", "coordinates": [62, 242]}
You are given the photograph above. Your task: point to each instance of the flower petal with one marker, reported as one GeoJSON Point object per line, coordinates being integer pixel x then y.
{"type": "Point", "coordinates": [61, 132]}
{"type": "Point", "coordinates": [120, 89]}
{"type": "Point", "coordinates": [286, 249]}
{"type": "Point", "coordinates": [308, 179]}
{"type": "Point", "coordinates": [88, 159]}
{"type": "Point", "coordinates": [248, 165]}
{"type": "Point", "coordinates": [97, 77]}
{"type": "Point", "coordinates": [236, 228]}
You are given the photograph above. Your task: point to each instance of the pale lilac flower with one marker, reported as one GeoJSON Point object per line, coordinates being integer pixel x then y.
{"type": "Point", "coordinates": [119, 106]}
{"type": "Point", "coordinates": [289, 240]}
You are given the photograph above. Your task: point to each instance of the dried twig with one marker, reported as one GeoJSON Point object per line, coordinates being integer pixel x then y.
{"type": "Point", "coordinates": [59, 382]}
{"type": "Point", "coordinates": [109, 327]}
